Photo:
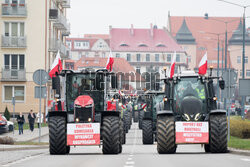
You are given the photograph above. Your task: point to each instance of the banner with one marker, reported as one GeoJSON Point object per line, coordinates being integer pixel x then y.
{"type": "Point", "coordinates": [191, 132]}
{"type": "Point", "coordinates": [83, 134]}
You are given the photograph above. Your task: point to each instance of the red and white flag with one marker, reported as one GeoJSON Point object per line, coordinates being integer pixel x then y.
{"type": "Point", "coordinates": [172, 67]}
{"type": "Point", "coordinates": [56, 66]}
{"type": "Point", "coordinates": [110, 62]}
{"type": "Point", "coordinates": [203, 65]}
{"type": "Point", "coordinates": [144, 106]}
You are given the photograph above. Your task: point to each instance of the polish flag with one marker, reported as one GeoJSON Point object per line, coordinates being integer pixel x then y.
{"type": "Point", "coordinates": [144, 106]}
{"type": "Point", "coordinates": [56, 66]}
{"type": "Point", "coordinates": [110, 62]}
{"type": "Point", "coordinates": [203, 65]}
{"type": "Point", "coordinates": [172, 67]}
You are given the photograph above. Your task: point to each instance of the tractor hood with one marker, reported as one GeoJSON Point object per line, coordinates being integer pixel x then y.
{"type": "Point", "coordinates": [191, 106]}
{"type": "Point", "coordinates": [84, 101]}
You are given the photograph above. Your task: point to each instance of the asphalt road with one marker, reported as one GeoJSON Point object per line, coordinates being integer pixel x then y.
{"type": "Point", "coordinates": [134, 155]}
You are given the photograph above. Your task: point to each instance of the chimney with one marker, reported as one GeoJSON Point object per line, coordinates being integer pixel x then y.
{"type": "Point", "coordinates": [151, 30]}
{"type": "Point", "coordinates": [132, 30]}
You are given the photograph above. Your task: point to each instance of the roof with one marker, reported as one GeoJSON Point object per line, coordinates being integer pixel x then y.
{"type": "Point", "coordinates": [144, 40]}
{"type": "Point", "coordinates": [200, 27]}
{"type": "Point", "coordinates": [184, 35]}
{"type": "Point", "coordinates": [120, 64]}
{"type": "Point", "coordinates": [97, 36]}
{"type": "Point", "coordinates": [237, 36]}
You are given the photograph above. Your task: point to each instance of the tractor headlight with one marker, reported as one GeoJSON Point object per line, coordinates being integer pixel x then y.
{"type": "Point", "coordinates": [120, 104]}
{"type": "Point", "coordinates": [214, 98]}
{"type": "Point", "coordinates": [197, 117]}
{"type": "Point", "coordinates": [186, 117]}
{"type": "Point", "coordinates": [89, 119]}
{"type": "Point", "coordinates": [77, 119]}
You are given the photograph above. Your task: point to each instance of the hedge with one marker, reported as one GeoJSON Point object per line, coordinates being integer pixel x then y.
{"type": "Point", "coordinates": [240, 128]}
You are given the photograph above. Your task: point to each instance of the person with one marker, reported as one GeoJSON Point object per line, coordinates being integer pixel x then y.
{"type": "Point", "coordinates": [20, 121]}
{"type": "Point", "coordinates": [38, 119]}
{"type": "Point", "coordinates": [189, 91]}
{"type": "Point", "coordinates": [85, 86]}
{"type": "Point", "coordinates": [31, 118]}
{"type": "Point", "coordinates": [201, 92]}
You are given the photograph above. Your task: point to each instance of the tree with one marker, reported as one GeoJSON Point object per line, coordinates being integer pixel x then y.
{"type": "Point", "coordinates": [7, 114]}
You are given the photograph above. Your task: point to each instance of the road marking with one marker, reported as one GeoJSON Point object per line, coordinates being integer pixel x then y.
{"type": "Point", "coordinates": [245, 159]}
{"type": "Point", "coordinates": [130, 163]}
{"type": "Point", "coordinates": [128, 166]}
{"type": "Point", "coordinates": [130, 159]}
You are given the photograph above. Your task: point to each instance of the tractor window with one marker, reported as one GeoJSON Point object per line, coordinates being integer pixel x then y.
{"type": "Point", "coordinates": [187, 87]}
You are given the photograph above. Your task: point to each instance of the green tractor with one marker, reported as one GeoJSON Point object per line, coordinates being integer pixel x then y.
{"type": "Point", "coordinates": [189, 114]}
{"type": "Point", "coordinates": [149, 118]}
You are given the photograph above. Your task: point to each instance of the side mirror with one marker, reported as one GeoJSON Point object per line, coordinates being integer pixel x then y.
{"type": "Point", "coordinates": [114, 83]}
{"type": "Point", "coordinates": [56, 84]}
{"type": "Point", "coordinates": [222, 84]}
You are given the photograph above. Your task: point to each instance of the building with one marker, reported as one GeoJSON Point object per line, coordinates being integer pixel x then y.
{"type": "Point", "coordinates": [32, 31]}
{"type": "Point", "coordinates": [147, 50]}
{"type": "Point", "coordinates": [198, 35]}
{"type": "Point", "coordinates": [91, 45]}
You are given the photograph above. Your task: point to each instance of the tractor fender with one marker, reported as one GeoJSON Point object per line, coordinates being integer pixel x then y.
{"type": "Point", "coordinates": [165, 112]}
{"type": "Point", "coordinates": [218, 111]}
{"type": "Point", "coordinates": [109, 113]}
{"type": "Point", "coordinates": [57, 113]}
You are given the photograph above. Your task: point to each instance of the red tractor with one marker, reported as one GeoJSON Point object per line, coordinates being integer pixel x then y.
{"type": "Point", "coordinates": [82, 116]}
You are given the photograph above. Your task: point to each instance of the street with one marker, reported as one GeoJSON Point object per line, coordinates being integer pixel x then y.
{"type": "Point", "coordinates": [134, 155]}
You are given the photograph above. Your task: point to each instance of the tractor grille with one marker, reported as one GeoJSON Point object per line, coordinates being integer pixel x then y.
{"type": "Point", "coordinates": [83, 114]}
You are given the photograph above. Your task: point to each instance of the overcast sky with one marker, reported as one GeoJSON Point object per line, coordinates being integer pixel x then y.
{"type": "Point", "coordinates": [95, 16]}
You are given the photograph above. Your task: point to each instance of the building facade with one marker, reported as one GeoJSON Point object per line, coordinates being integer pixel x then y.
{"type": "Point", "coordinates": [31, 34]}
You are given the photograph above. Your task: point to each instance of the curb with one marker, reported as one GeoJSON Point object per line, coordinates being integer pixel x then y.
{"type": "Point", "coordinates": [24, 148]}
{"type": "Point", "coordinates": [239, 152]}
{"type": "Point", "coordinates": [35, 138]}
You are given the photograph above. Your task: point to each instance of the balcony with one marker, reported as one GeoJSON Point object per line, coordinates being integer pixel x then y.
{"type": "Point", "coordinates": [66, 4]}
{"type": "Point", "coordinates": [66, 32]}
{"type": "Point", "coordinates": [13, 42]}
{"type": "Point", "coordinates": [14, 10]}
{"type": "Point", "coordinates": [59, 20]}
{"type": "Point", "coordinates": [55, 45]}
{"type": "Point", "coordinates": [13, 75]}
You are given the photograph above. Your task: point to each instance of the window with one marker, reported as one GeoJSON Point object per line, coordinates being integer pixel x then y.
{"type": "Point", "coordinates": [103, 54]}
{"type": "Point", "coordinates": [14, 29]}
{"type": "Point", "coordinates": [128, 57]}
{"type": "Point", "coordinates": [14, 61]}
{"type": "Point", "coordinates": [138, 70]}
{"type": "Point", "coordinates": [178, 58]}
{"type": "Point", "coordinates": [117, 55]}
{"type": "Point", "coordinates": [157, 56]}
{"type": "Point", "coordinates": [239, 59]}
{"type": "Point", "coordinates": [246, 59]}
{"type": "Point", "coordinates": [168, 57]}
{"type": "Point", "coordinates": [14, 91]}
{"type": "Point", "coordinates": [81, 44]}
{"type": "Point", "coordinates": [68, 43]}
{"type": "Point", "coordinates": [156, 69]}
{"type": "Point", "coordinates": [138, 57]}
{"type": "Point", "coordinates": [147, 57]}
{"type": "Point", "coordinates": [248, 73]}
{"type": "Point", "coordinates": [148, 69]}
{"type": "Point", "coordinates": [189, 59]}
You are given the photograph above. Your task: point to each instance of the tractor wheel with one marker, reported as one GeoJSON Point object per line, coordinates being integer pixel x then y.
{"type": "Point", "coordinates": [218, 134]}
{"type": "Point", "coordinates": [166, 135]}
{"type": "Point", "coordinates": [126, 120]}
{"type": "Point", "coordinates": [111, 135]}
{"type": "Point", "coordinates": [141, 115]}
{"type": "Point", "coordinates": [136, 116]}
{"type": "Point", "coordinates": [57, 135]}
{"type": "Point", "coordinates": [147, 132]}
{"type": "Point", "coordinates": [207, 148]}
{"type": "Point", "coordinates": [130, 119]}
{"type": "Point", "coordinates": [122, 132]}
{"type": "Point", "coordinates": [67, 149]}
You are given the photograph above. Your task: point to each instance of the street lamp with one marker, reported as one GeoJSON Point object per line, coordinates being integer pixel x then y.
{"type": "Point", "coordinates": [243, 44]}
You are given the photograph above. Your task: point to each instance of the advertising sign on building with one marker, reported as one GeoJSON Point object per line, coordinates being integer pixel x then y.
{"type": "Point", "coordinates": [191, 132]}
{"type": "Point", "coordinates": [83, 134]}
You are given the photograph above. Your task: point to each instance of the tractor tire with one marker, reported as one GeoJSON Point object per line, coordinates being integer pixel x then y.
{"type": "Point", "coordinates": [122, 132]}
{"type": "Point", "coordinates": [136, 116]}
{"type": "Point", "coordinates": [126, 120]}
{"type": "Point", "coordinates": [166, 135]}
{"type": "Point", "coordinates": [141, 115]}
{"type": "Point", "coordinates": [111, 135]}
{"type": "Point", "coordinates": [218, 134]}
{"type": "Point", "coordinates": [207, 148]}
{"type": "Point", "coordinates": [147, 132]}
{"type": "Point", "coordinates": [57, 136]}
{"type": "Point", "coordinates": [130, 120]}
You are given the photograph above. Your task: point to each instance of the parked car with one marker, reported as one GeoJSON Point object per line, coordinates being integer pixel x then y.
{"type": "Point", "coordinates": [3, 125]}
{"type": "Point", "coordinates": [9, 124]}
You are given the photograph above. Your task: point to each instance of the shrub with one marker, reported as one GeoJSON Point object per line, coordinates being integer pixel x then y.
{"type": "Point", "coordinates": [6, 140]}
{"type": "Point", "coordinates": [240, 128]}
{"type": "Point", "coordinates": [7, 114]}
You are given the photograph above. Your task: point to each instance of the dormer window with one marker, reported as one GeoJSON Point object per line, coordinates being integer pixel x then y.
{"type": "Point", "coordinates": [160, 45]}
{"type": "Point", "coordinates": [123, 44]}
{"type": "Point", "coordinates": [142, 45]}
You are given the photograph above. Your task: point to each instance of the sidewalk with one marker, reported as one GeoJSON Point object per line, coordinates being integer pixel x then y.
{"type": "Point", "coordinates": [27, 134]}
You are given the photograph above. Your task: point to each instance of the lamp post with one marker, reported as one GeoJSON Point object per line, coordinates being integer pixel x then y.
{"type": "Point", "coordinates": [243, 46]}
{"type": "Point", "coordinates": [225, 22]}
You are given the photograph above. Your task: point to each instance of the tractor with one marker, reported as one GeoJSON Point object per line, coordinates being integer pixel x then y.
{"type": "Point", "coordinates": [188, 114]}
{"type": "Point", "coordinates": [84, 116]}
{"type": "Point", "coordinates": [149, 117]}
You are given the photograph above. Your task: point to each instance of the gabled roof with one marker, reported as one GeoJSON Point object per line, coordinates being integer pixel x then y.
{"type": "Point", "coordinates": [134, 37]}
{"type": "Point", "coordinates": [184, 35]}
{"type": "Point", "coordinates": [97, 36]}
{"type": "Point", "coordinates": [237, 36]}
